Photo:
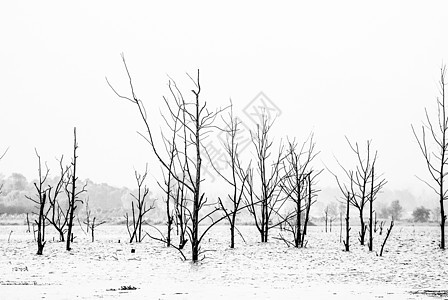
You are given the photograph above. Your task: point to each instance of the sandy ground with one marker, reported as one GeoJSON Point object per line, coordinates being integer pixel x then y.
{"type": "Point", "coordinates": [411, 265]}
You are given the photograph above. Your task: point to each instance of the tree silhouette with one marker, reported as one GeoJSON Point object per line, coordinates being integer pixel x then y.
{"type": "Point", "coordinates": [434, 147]}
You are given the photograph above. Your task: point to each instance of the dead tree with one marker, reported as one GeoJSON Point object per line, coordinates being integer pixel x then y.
{"type": "Point", "coordinates": [389, 230]}
{"type": "Point", "coordinates": [94, 225]}
{"type": "Point", "coordinates": [375, 188]}
{"type": "Point", "coordinates": [295, 185]}
{"type": "Point", "coordinates": [347, 224]}
{"type": "Point", "coordinates": [361, 178]}
{"type": "Point", "coordinates": [311, 195]}
{"type": "Point", "coordinates": [196, 123]}
{"type": "Point", "coordinates": [58, 216]}
{"type": "Point", "coordinates": [346, 190]}
{"type": "Point", "coordinates": [237, 179]}
{"type": "Point", "coordinates": [435, 150]}
{"type": "Point", "coordinates": [172, 195]}
{"type": "Point", "coordinates": [139, 209]}
{"type": "Point", "coordinates": [265, 201]}
{"type": "Point", "coordinates": [73, 192]}
{"type": "Point", "coordinates": [180, 205]}
{"type": "Point", "coordinates": [40, 199]}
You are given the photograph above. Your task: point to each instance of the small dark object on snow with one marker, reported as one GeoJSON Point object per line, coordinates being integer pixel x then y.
{"type": "Point", "coordinates": [132, 250]}
{"type": "Point", "coordinates": [127, 288]}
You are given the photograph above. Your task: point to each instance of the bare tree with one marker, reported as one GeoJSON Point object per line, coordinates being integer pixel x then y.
{"type": "Point", "coordinates": [266, 201]}
{"type": "Point", "coordinates": [389, 230]}
{"type": "Point", "coordinates": [347, 223]}
{"type": "Point", "coordinates": [174, 124]}
{"type": "Point", "coordinates": [363, 187]}
{"type": "Point", "coordinates": [180, 204]}
{"type": "Point", "coordinates": [73, 192]}
{"type": "Point", "coordinates": [375, 188]}
{"type": "Point", "coordinates": [238, 176]}
{"type": "Point", "coordinates": [295, 184]}
{"type": "Point", "coordinates": [361, 178]}
{"type": "Point", "coordinates": [435, 150]}
{"type": "Point", "coordinates": [91, 222]}
{"type": "Point", "coordinates": [197, 122]}
{"type": "Point", "coordinates": [346, 190]}
{"type": "Point", "coordinates": [139, 209]}
{"type": "Point", "coordinates": [40, 200]}
{"type": "Point", "coordinates": [58, 216]}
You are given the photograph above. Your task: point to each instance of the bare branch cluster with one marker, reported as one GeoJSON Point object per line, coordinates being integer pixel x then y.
{"type": "Point", "coordinates": [433, 144]}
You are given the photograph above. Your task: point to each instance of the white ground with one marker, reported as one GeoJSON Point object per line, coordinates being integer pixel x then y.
{"type": "Point", "coordinates": [251, 271]}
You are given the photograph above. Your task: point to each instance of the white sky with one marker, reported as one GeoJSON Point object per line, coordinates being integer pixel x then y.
{"type": "Point", "coordinates": [336, 67]}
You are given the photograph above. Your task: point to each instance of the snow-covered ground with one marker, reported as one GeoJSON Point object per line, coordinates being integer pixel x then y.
{"type": "Point", "coordinates": [411, 264]}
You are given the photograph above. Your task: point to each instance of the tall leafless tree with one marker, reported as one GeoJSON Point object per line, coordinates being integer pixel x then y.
{"type": "Point", "coordinates": [295, 184]}
{"type": "Point", "coordinates": [346, 188]}
{"type": "Point", "coordinates": [376, 184]}
{"type": "Point", "coordinates": [434, 147]}
{"type": "Point", "coordinates": [172, 195]}
{"type": "Point", "coordinates": [58, 214]}
{"type": "Point", "coordinates": [197, 121]}
{"type": "Point", "coordinates": [40, 199]}
{"type": "Point", "coordinates": [363, 187]}
{"type": "Point", "coordinates": [139, 209]}
{"type": "Point", "coordinates": [73, 192]}
{"type": "Point", "coordinates": [238, 177]}
{"type": "Point", "coordinates": [265, 201]}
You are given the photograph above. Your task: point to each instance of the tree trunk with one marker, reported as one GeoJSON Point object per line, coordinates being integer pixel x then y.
{"type": "Point", "coordinates": [347, 225]}
{"type": "Point", "coordinates": [232, 236]}
{"type": "Point", "coordinates": [371, 212]}
{"type": "Point", "coordinates": [73, 197]}
{"type": "Point", "coordinates": [298, 239]}
{"type": "Point", "coordinates": [442, 221]}
{"type": "Point", "coordinates": [362, 233]}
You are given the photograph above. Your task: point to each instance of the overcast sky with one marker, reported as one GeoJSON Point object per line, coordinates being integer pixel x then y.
{"type": "Point", "coordinates": [333, 67]}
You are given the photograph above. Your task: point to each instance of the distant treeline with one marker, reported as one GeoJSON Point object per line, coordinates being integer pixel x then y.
{"type": "Point", "coordinates": [103, 198]}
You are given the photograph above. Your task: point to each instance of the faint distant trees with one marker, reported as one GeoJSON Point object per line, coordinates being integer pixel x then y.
{"type": "Point", "coordinates": [297, 184]}
{"type": "Point", "coordinates": [265, 201]}
{"type": "Point", "coordinates": [396, 210]}
{"type": "Point", "coordinates": [196, 122]}
{"type": "Point", "coordinates": [73, 192]}
{"type": "Point", "coordinates": [139, 210]}
{"type": "Point", "coordinates": [435, 150]}
{"type": "Point", "coordinates": [40, 199]}
{"type": "Point", "coordinates": [436, 214]}
{"type": "Point", "coordinates": [421, 214]}
{"type": "Point", "coordinates": [330, 214]}
{"type": "Point", "coordinates": [393, 210]}
{"type": "Point", "coordinates": [1, 157]}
